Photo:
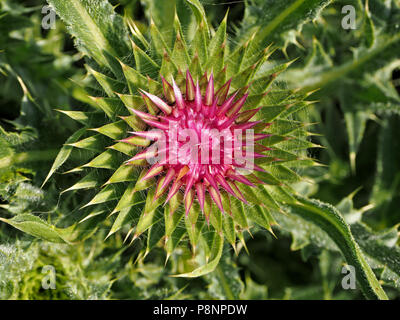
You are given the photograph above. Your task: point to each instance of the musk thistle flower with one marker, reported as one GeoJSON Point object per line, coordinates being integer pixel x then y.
{"type": "Point", "coordinates": [205, 163]}
{"type": "Point", "coordinates": [163, 93]}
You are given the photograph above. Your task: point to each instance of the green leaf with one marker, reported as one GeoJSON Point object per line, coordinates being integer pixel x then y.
{"type": "Point", "coordinates": [213, 262]}
{"type": "Point", "coordinates": [64, 153]}
{"type": "Point", "coordinates": [162, 13]}
{"type": "Point", "coordinates": [199, 46]}
{"type": "Point", "coordinates": [144, 64]}
{"type": "Point", "coordinates": [134, 78]}
{"type": "Point", "coordinates": [38, 228]}
{"type": "Point", "coordinates": [271, 20]}
{"type": "Point", "coordinates": [369, 28]}
{"type": "Point", "coordinates": [89, 181]}
{"type": "Point", "coordinates": [199, 12]}
{"type": "Point", "coordinates": [216, 219]}
{"type": "Point", "coordinates": [238, 213]}
{"type": "Point", "coordinates": [173, 241]}
{"type": "Point", "coordinates": [96, 27]}
{"type": "Point", "coordinates": [94, 143]}
{"type": "Point", "coordinates": [180, 54]}
{"type": "Point", "coordinates": [135, 102]}
{"type": "Point", "coordinates": [126, 199]}
{"type": "Point", "coordinates": [355, 124]}
{"type": "Point", "coordinates": [109, 85]}
{"type": "Point", "coordinates": [259, 215]}
{"type": "Point", "coordinates": [86, 118]}
{"type": "Point", "coordinates": [124, 173]}
{"type": "Point", "coordinates": [173, 214]}
{"type": "Point", "coordinates": [126, 215]}
{"type": "Point", "coordinates": [150, 215]}
{"type": "Point", "coordinates": [253, 290]}
{"type": "Point", "coordinates": [225, 281]}
{"type": "Point", "coordinates": [385, 193]}
{"type": "Point", "coordinates": [283, 173]}
{"type": "Point", "coordinates": [124, 148]}
{"type": "Point", "coordinates": [109, 159]}
{"type": "Point", "coordinates": [108, 193]}
{"type": "Point", "coordinates": [329, 219]}
{"type": "Point", "coordinates": [155, 234]}
{"type": "Point", "coordinates": [381, 249]}
{"type": "Point", "coordinates": [194, 224]}
{"type": "Point", "coordinates": [365, 60]}
{"type": "Point", "coordinates": [229, 229]}
{"type": "Point", "coordinates": [110, 106]}
{"type": "Point", "coordinates": [216, 48]}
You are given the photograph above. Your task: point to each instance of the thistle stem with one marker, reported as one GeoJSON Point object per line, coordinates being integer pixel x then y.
{"type": "Point", "coordinates": [224, 283]}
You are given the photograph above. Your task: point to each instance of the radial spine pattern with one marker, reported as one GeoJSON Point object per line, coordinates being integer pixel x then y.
{"type": "Point", "coordinates": [173, 88]}
{"type": "Point", "coordinates": [210, 118]}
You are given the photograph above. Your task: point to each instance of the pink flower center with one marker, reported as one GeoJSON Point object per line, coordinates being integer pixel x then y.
{"type": "Point", "coordinates": [201, 143]}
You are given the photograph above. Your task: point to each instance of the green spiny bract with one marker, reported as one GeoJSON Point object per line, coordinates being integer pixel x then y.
{"type": "Point", "coordinates": [127, 92]}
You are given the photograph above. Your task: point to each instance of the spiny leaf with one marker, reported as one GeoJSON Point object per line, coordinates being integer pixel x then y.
{"type": "Point", "coordinates": [115, 130]}
{"type": "Point", "coordinates": [64, 153]}
{"type": "Point", "coordinates": [134, 79]}
{"type": "Point", "coordinates": [128, 199]}
{"type": "Point", "coordinates": [274, 18]}
{"type": "Point", "coordinates": [94, 143]}
{"type": "Point", "coordinates": [330, 220]}
{"type": "Point", "coordinates": [96, 26]}
{"type": "Point", "coordinates": [212, 264]}
{"type": "Point", "coordinates": [199, 12]}
{"type": "Point", "coordinates": [238, 213]}
{"type": "Point", "coordinates": [123, 173]}
{"type": "Point", "coordinates": [109, 85]}
{"type": "Point", "coordinates": [86, 118]}
{"type": "Point", "coordinates": [144, 64]}
{"type": "Point", "coordinates": [150, 214]}
{"type": "Point", "coordinates": [172, 214]}
{"type": "Point", "coordinates": [106, 160]}
{"type": "Point", "coordinates": [382, 254]}
{"type": "Point", "coordinates": [36, 227]}
{"type": "Point", "coordinates": [91, 180]}
{"type": "Point", "coordinates": [124, 148]}
{"type": "Point", "coordinates": [194, 224]}
{"type": "Point", "coordinates": [110, 106]}
{"type": "Point", "coordinates": [108, 193]}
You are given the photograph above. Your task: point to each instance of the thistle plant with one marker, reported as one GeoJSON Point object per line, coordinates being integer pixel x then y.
{"type": "Point", "coordinates": [202, 88]}
{"type": "Point", "coordinates": [192, 140]}
{"type": "Point", "coordinates": [193, 167]}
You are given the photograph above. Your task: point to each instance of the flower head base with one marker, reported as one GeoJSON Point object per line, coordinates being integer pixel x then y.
{"type": "Point", "coordinates": [204, 163]}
